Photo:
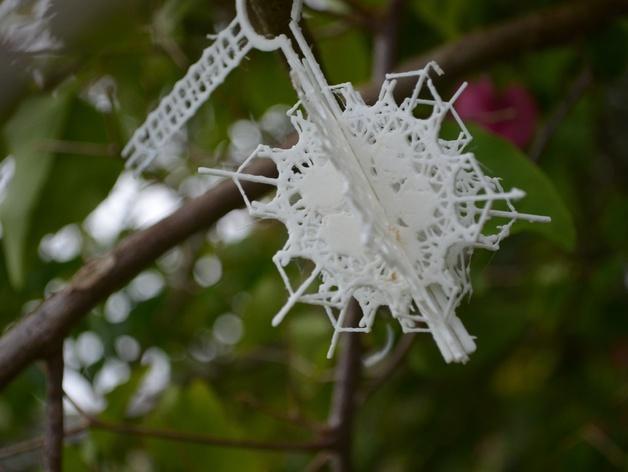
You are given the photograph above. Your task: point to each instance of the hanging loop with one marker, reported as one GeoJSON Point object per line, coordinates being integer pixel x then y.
{"type": "Point", "coordinates": [257, 40]}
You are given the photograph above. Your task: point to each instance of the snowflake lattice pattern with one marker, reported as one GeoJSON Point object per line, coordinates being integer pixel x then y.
{"type": "Point", "coordinates": [189, 93]}
{"type": "Point", "coordinates": [435, 198]}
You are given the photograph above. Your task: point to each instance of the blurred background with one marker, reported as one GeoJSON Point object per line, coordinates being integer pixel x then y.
{"type": "Point", "coordinates": [188, 343]}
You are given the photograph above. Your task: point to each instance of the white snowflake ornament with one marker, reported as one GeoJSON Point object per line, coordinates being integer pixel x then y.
{"type": "Point", "coordinates": [388, 212]}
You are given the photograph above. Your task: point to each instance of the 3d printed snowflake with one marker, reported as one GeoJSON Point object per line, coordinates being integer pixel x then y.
{"type": "Point", "coordinates": [388, 212]}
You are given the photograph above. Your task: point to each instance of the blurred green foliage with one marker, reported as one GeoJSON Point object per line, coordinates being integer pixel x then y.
{"type": "Point", "coordinates": [548, 386]}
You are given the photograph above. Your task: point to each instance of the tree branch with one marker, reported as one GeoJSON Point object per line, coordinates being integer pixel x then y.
{"type": "Point", "coordinates": [54, 407]}
{"type": "Point", "coordinates": [94, 422]}
{"type": "Point", "coordinates": [290, 417]}
{"type": "Point", "coordinates": [386, 39]}
{"type": "Point", "coordinates": [36, 443]}
{"type": "Point", "coordinates": [206, 439]}
{"type": "Point", "coordinates": [360, 10]}
{"type": "Point", "coordinates": [343, 399]}
{"type": "Point", "coordinates": [167, 435]}
{"type": "Point", "coordinates": [543, 29]}
{"type": "Point", "coordinates": [31, 337]}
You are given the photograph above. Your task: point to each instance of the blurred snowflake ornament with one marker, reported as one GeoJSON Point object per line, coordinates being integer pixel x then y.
{"type": "Point", "coordinates": [388, 211]}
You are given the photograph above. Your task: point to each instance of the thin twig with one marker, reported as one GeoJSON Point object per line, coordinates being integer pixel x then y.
{"type": "Point", "coordinates": [574, 94]}
{"type": "Point", "coordinates": [292, 418]}
{"type": "Point", "coordinates": [349, 18]}
{"type": "Point", "coordinates": [599, 439]}
{"type": "Point", "coordinates": [37, 443]}
{"type": "Point", "coordinates": [360, 9]}
{"type": "Point", "coordinates": [168, 435]}
{"type": "Point", "coordinates": [94, 422]}
{"type": "Point", "coordinates": [386, 39]}
{"type": "Point", "coordinates": [206, 439]}
{"type": "Point", "coordinates": [319, 461]}
{"type": "Point", "coordinates": [170, 46]}
{"type": "Point", "coordinates": [54, 406]}
{"type": "Point", "coordinates": [344, 395]}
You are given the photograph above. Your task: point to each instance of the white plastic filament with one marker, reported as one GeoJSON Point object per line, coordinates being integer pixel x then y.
{"type": "Point", "coordinates": [388, 211]}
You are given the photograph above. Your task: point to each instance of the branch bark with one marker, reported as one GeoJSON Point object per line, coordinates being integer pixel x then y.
{"type": "Point", "coordinates": [543, 29]}
{"type": "Point", "coordinates": [54, 406]}
{"type": "Point", "coordinates": [166, 435]}
{"type": "Point", "coordinates": [34, 444]}
{"type": "Point", "coordinates": [344, 398]}
{"type": "Point", "coordinates": [33, 336]}
{"type": "Point", "coordinates": [385, 43]}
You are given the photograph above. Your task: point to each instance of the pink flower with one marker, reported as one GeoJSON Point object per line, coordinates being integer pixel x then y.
{"type": "Point", "coordinates": [511, 113]}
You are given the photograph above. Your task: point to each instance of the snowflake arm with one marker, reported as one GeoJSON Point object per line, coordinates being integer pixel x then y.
{"type": "Point", "coordinates": [187, 95]}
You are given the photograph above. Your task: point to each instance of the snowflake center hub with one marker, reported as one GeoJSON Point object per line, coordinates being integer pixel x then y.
{"type": "Point", "coordinates": [322, 188]}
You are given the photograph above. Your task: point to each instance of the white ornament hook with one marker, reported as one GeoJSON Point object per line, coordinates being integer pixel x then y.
{"type": "Point", "coordinates": [387, 210]}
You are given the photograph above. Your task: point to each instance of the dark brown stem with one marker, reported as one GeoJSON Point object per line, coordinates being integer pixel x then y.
{"type": "Point", "coordinates": [28, 339]}
{"type": "Point", "coordinates": [54, 407]}
{"type": "Point", "coordinates": [348, 19]}
{"type": "Point", "coordinates": [319, 461]}
{"type": "Point", "coordinates": [94, 422]}
{"type": "Point", "coordinates": [167, 435]}
{"type": "Point", "coordinates": [386, 39]}
{"type": "Point", "coordinates": [358, 8]}
{"type": "Point", "coordinates": [344, 395]}
{"type": "Point", "coordinates": [542, 29]}
{"type": "Point", "coordinates": [293, 418]}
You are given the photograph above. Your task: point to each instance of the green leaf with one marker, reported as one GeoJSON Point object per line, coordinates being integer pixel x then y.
{"type": "Point", "coordinates": [119, 398]}
{"type": "Point", "coordinates": [309, 334]}
{"type": "Point", "coordinates": [73, 458]}
{"type": "Point", "coordinates": [345, 58]}
{"type": "Point", "coordinates": [118, 401]}
{"type": "Point", "coordinates": [49, 190]}
{"type": "Point", "coordinates": [502, 159]}
{"type": "Point", "coordinates": [38, 119]}
{"type": "Point", "coordinates": [443, 17]}
{"type": "Point", "coordinates": [607, 51]}
{"type": "Point", "coordinates": [198, 408]}
{"type": "Point", "coordinates": [76, 183]}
